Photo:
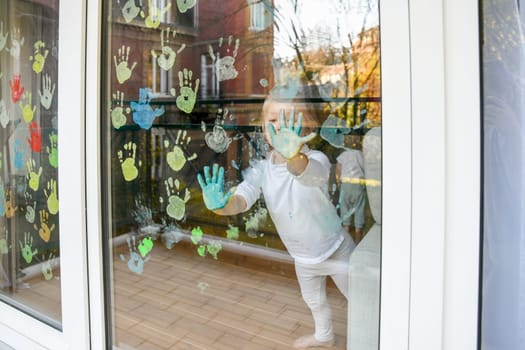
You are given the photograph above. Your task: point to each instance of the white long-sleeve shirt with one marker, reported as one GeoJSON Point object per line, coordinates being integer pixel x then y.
{"type": "Point", "coordinates": [299, 206]}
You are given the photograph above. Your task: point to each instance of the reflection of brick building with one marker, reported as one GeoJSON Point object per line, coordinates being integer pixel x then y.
{"type": "Point", "coordinates": [197, 29]}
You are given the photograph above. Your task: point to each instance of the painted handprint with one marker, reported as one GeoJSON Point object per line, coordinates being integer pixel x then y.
{"type": "Point", "coordinates": [10, 208]}
{"type": "Point", "coordinates": [30, 209]}
{"type": "Point", "coordinates": [16, 43]}
{"type": "Point", "coordinates": [135, 262]}
{"type": "Point", "coordinates": [129, 164]}
{"type": "Point", "coordinates": [52, 196]}
{"type": "Point", "coordinates": [32, 176]}
{"type": "Point", "coordinates": [16, 89]}
{"type": "Point", "coordinates": [4, 115]}
{"type": "Point", "coordinates": [39, 59]}
{"type": "Point", "coordinates": [196, 235]}
{"type": "Point", "coordinates": [44, 231]}
{"type": "Point", "coordinates": [176, 159]}
{"type": "Point", "coordinates": [143, 114]}
{"type": "Point", "coordinates": [213, 248]}
{"type": "Point", "coordinates": [52, 149]}
{"type": "Point", "coordinates": [118, 117]}
{"type": "Point", "coordinates": [35, 142]}
{"type": "Point", "coordinates": [225, 66]}
{"type": "Point", "coordinates": [176, 205]}
{"type": "Point", "coordinates": [130, 11]}
{"type": "Point", "coordinates": [20, 154]}
{"type": "Point", "coordinates": [213, 188]}
{"type": "Point", "coordinates": [334, 130]}
{"type": "Point", "coordinates": [4, 245]}
{"type": "Point", "coordinates": [47, 266]}
{"type": "Point", "coordinates": [145, 246]}
{"type": "Point", "coordinates": [154, 14]}
{"type": "Point", "coordinates": [121, 64]}
{"type": "Point", "coordinates": [187, 95]}
{"type": "Point", "coordinates": [28, 111]}
{"type": "Point", "coordinates": [3, 37]}
{"type": "Point", "coordinates": [46, 97]}
{"type": "Point", "coordinates": [287, 140]}
{"type": "Point", "coordinates": [218, 140]}
{"type": "Point", "coordinates": [232, 232]}
{"type": "Point", "coordinates": [185, 5]}
{"type": "Point", "coordinates": [167, 57]}
{"type": "Point", "coordinates": [26, 248]}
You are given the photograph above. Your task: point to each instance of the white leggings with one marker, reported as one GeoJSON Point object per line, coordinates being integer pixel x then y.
{"type": "Point", "coordinates": [312, 281]}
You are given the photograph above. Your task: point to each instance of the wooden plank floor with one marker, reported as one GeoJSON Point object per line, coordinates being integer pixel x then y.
{"type": "Point", "coordinates": [184, 301]}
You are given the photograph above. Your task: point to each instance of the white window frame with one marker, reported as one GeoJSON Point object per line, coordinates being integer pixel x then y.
{"type": "Point", "coordinates": [431, 127]}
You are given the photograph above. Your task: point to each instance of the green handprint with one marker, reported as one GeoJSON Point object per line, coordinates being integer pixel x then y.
{"type": "Point", "coordinates": [213, 188]}
{"type": "Point", "coordinates": [118, 118]}
{"type": "Point", "coordinates": [187, 96]}
{"type": "Point", "coordinates": [287, 141]}
{"type": "Point", "coordinates": [39, 59]}
{"type": "Point", "coordinates": [214, 247]}
{"type": "Point", "coordinates": [121, 65]}
{"type": "Point", "coordinates": [196, 235]}
{"type": "Point", "coordinates": [145, 246]}
{"type": "Point", "coordinates": [154, 14]}
{"type": "Point", "coordinates": [176, 159]}
{"type": "Point", "coordinates": [177, 206]}
{"type": "Point", "coordinates": [4, 246]}
{"type": "Point", "coordinates": [185, 5]}
{"type": "Point", "coordinates": [52, 196]}
{"type": "Point", "coordinates": [128, 165]}
{"type": "Point", "coordinates": [32, 176]}
{"type": "Point", "coordinates": [232, 232]}
{"type": "Point", "coordinates": [53, 150]}
{"type": "Point", "coordinates": [26, 248]}
{"type": "Point", "coordinates": [28, 111]}
{"type": "Point", "coordinates": [47, 266]}
{"type": "Point", "coordinates": [201, 250]}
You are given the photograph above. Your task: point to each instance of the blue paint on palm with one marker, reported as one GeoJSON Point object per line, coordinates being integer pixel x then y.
{"type": "Point", "coordinates": [213, 188]}
{"type": "Point", "coordinates": [287, 141]}
{"type": "Point", "coordinates": [143, 114]}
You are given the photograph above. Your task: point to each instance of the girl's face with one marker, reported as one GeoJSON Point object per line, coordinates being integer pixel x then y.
{"type": "Point", "coordinates": [271, 113]}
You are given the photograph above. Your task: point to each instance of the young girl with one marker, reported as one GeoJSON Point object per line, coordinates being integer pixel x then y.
{"type": "Point", "coordinates": [293, 180]}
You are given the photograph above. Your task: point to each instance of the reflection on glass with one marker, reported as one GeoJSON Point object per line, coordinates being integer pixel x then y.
{"type": "Point", "coordinates": [226, 121]}
{"type": "Point", "coordinates": [29, 237]}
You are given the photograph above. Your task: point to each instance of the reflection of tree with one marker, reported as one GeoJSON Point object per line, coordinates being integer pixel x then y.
{"type": "Point", "coordinates": [343, 63]}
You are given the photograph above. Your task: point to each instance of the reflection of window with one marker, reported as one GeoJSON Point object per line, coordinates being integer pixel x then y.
{"type": "Point", "coordinates": [209, 81]}
{"type": "Point", "coordinates": [259, 15]}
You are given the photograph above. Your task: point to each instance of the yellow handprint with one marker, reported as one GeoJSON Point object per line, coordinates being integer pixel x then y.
{"type": "Point", "coordinates": [28, 111]}
{"type": "Point", "coordinates": [154, 14]}
{"type": "Point", "coordinates": [52, 196]}
{"type": "Point", "coordinates": [39, 59]}
{"type": "Point", "coordinates": [32, 176]}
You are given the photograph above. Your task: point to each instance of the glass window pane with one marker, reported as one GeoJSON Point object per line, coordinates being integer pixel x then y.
{"type": "Point", "coordinates": [503, 309]}
{"type": "Point", "coordinates": [242, 153]}
{"type": "Point", "coordinates": [29, 237]}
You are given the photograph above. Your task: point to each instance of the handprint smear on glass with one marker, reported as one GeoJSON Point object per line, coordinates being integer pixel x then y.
{"type": "Point", "coordinates": [155, 14]}
{"type": "Point", "coordinates": [39, 57]}
{"type": "Point", "coordinates": [10, 208]}
{"type": "Point", "coordinates": [185, 5]}
{"type": "Point", "coordinates": [44, 231]}
{"type": "Point", "coordinates": [30, 208]}
{"type": "Point", "coordinates": [48, 265]}
{"type": "Point", "coordinates": [128, 163]}
{"type": "Point", "coordinates": [4, 114]}
{"type": "Point", "coordinates": [52, 196]}
{"type": "Point", "coordinates": [143, 113]}
{"type": "Point", "coordinates": [135, 261]}
{"type": "Point", "coordinates": [167, 56]}
{"type": "Point", "coordinates": [287, 140]}
{"type": "Point", "coordinates": [16, 43]}
{"type": "Point", "coordinates": [35, 140]}
{"type": "Point", "coordinates": [225, 66]}
{"type": "Point", "coordinates": [213, 188]}
{"type": "Point", "coordinates": [26, 248]}
{"type": "Point", "coordinates": [28, 111]}
{"type": "Point", "coordinates": [52, 149]}
{"type": "Point", "coordinates": [130, 11]}
{"type": "Point", "coordinates": [118, 117]}
{"type": "Point", "coordinates": [176, 208]}
{"type": "Point", "coordinates": [217, 139]}
{"type": "Point", "coordinates": [16, 88]}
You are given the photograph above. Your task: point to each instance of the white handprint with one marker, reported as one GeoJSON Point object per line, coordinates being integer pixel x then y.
{"type": "Point", "coordinates": [16, 43]}
{"type": "Point", "coordinates": [4, 115]}
{"type": "Point", "coordinates": [225, 68]}
{"type": "Point", "coordinates": [130, 11]}
{"type": "Point", "coordinates": [46, 97]}
{"type": "Point", "coordinates": [3, 37]}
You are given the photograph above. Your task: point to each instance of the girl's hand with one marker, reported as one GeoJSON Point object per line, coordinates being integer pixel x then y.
{"type": "Point", "coordinates": [287, 141]}
{"type": "Point", "coordinates": [213, 188]}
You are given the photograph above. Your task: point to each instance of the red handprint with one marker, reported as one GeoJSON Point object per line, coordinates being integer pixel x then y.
{"type": "Point", "coordinates": [16, 89]}
{"type": "Point", "coordinates": [36, 137]}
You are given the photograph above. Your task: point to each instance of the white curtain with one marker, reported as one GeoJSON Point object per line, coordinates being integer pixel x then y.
{"type": "Point", "coordinates": [503, 289]}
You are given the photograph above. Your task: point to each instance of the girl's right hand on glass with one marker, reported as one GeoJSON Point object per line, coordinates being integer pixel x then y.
{"type": "Point", "coordinates": [213, 188]}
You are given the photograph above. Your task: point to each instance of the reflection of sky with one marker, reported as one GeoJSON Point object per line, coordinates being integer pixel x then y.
{"type": "Point", "coordinates": [321, 22]}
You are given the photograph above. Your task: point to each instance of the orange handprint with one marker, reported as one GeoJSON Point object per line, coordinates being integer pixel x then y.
{"type": "Point", "coordinates": [45, 230]}
{"type": "Point", "coordinates": [9, 208]}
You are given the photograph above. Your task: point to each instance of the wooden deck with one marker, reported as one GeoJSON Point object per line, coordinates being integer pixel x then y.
{"type": "Point", "coordinates": [184, 301]}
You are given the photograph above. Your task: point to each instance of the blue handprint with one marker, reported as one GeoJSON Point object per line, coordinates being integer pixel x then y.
{"type": "Point", "coordinates": [213, 188]}
{"type": "Point", "coordinates": [143, 114]}
{"type": "Point", "coordinates": [20, 154]}
{"type": "Point", "coordinates": [2, 198]}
